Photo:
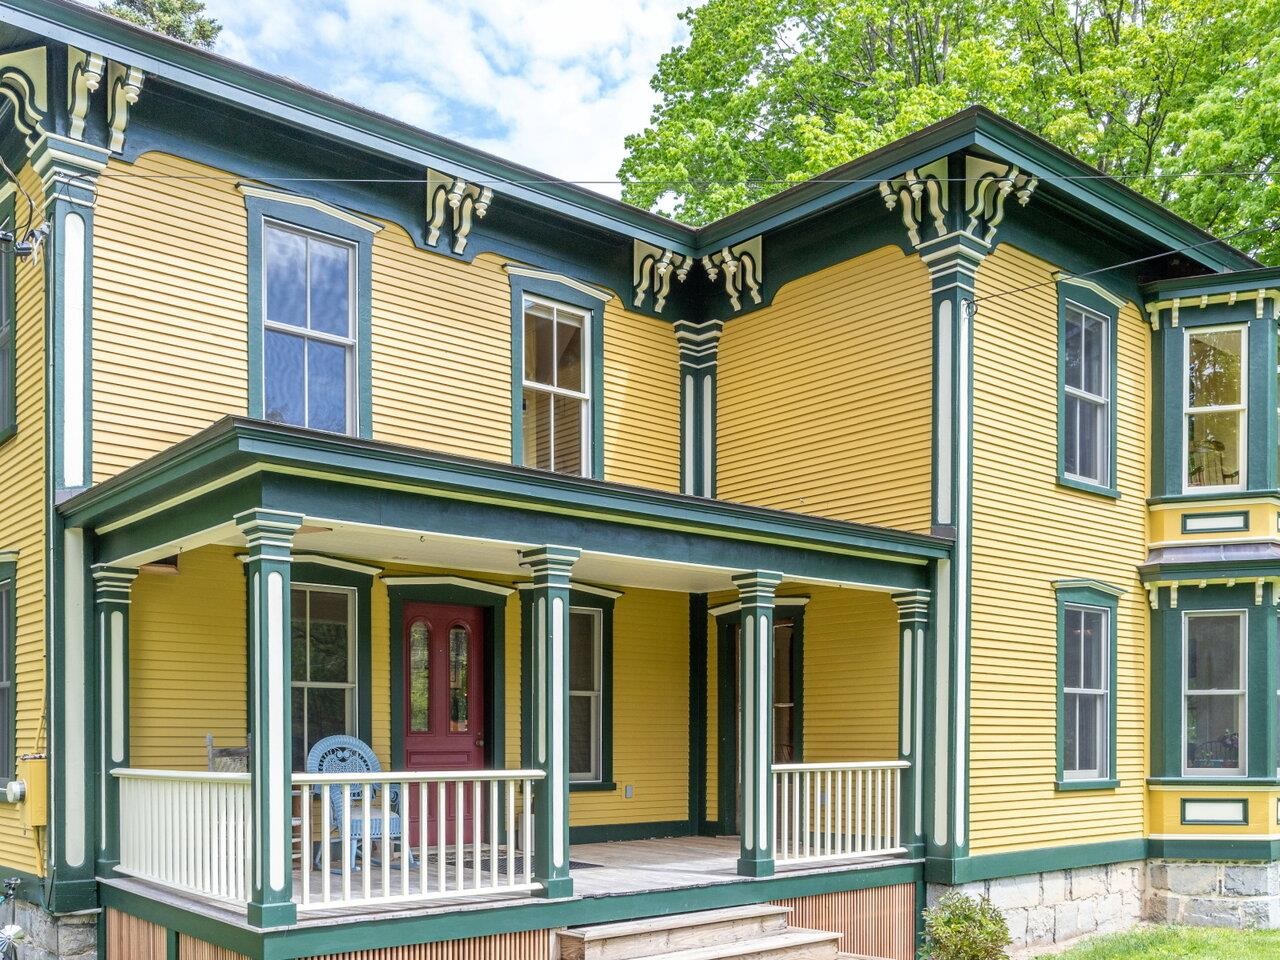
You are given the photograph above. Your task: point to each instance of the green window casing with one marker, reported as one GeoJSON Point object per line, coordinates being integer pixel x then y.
{"type": "Point", "coordinates": [1087, 323]}
{"type": "Point", "coordinates": [8, 335]}
{"type": "Point", "coordinates": [1086, 700]}
{"type": "Point", "coordinates": [8, 652]}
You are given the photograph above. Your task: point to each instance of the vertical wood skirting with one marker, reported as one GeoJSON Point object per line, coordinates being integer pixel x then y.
{"type": "Point", "coordinates": [189, 948]}
{"type": "Point", "coordinates": [129, 938]}
{"type": "Point", "coordinates": [877, 922]}
{"type": "Point", "coordinates": [526, 945]}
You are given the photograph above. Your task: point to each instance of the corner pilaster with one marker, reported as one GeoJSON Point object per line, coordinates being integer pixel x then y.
{"type": "Point", "coordinates": [913, 629]}
{"type": "Point", "coordinates": [699, 351]}
{"type": "Point", "coordinates": [111, 594]}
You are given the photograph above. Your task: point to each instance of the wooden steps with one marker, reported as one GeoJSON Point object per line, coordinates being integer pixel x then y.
{"type": "Point", "coordinates": [754, 932]}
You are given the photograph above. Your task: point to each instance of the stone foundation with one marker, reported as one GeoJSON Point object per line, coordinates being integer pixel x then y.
{"type": "Point", "coordinates": [1058, 906]}
{"type": "Point", "coordinates": [1214, 894]}
{"type": "Point", "coordinates": [70, 937]}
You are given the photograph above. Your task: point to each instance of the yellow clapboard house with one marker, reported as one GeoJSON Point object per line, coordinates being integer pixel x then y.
{"type": "Point", "coordinates": [406, 556]}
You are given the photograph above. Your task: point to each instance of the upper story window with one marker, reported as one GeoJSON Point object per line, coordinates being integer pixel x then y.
{"type": "Point", "coordinates": [556, 399]}
{"type": "Point", "coordinates": [309, 329]}
{"type": "Point", "coordinates": [1214, 698]}
{"type": "Point", "coordinates": [1086, 396]}
{"type": "Point", "coordinates": [1215, 408]}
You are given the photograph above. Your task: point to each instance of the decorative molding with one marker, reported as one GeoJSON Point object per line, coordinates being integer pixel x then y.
{"type": "Point", "coordinates": [1260, 296]}
{"type": "Point", "coordinates": [84, 75]}
{"type": "Point", "coordinates": [743, 267]}
{"type": "Point", "coordinates": [466, 202]}
{"type": "Point", "coordinates": [445, 581]}
{"type": "Point", "coordinates": [699, 343]}
{"type": "Point", "coordinates": [1087, 584]}
{"type": "Point", "coordinates": [736, 605]}
{"type": "Point", "coordinates": [124, 86]}
{"type": "Point", "coordinates": [1095, 288]}
{"type": "Point", "coordinates": [579, 588]}
{"type": "Point", "coordinates": [924, 195]}
{"type": "Point", "coordinates": [284, 196]}
{"type": "Point", "coordinates": [24, 81]}
{"type": "Point", "coordinates": [596, 293]}
{"type": "Point", "coordinates": [987, 185]}
{"type": "Point", "coordinates": [652, 269]}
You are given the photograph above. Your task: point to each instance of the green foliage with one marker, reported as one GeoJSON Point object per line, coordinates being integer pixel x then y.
{"type": "Point", "coordinates": [770, 92]}
{"type": "Point", "coordinates": [180, 19]}
{"type": "Point", "coordinates": [962, 928]}
{"type": "Point", "coordinates": [1177, 943]}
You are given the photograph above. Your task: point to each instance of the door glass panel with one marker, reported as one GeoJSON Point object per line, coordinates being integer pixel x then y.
{"type": "Point", "coordinates": [459, 672]}
{"type": "Point", "coordinates": [419, 677]}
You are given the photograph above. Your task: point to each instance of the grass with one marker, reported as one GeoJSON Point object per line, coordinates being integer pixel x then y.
{"type": "Point", "coordinates": [1177, 943]}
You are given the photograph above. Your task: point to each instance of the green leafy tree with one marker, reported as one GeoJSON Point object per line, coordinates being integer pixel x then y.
{"type": "Point", "coordinates": [1157, 92]}
{"type": "Point", "coordinates": [180, 19]}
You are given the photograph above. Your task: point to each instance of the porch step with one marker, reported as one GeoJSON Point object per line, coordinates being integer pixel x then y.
{"type": "Point", "coordinates": [790, 944]}
{"type": "Point", "coordinates": [656, 936]}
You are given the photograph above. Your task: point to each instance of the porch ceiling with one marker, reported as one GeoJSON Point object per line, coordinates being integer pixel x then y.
{"type": "Point", "coordinates": [388, 504]}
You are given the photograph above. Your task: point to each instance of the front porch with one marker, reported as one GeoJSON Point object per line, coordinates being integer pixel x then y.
{"type": "Point", "coordinates": [729, 723]}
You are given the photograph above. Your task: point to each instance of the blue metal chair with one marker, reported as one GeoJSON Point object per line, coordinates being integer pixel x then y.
{"type": "Point", "coordinates": [342, 754]}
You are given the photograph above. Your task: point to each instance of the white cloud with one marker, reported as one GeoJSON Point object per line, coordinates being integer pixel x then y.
{"type": "Point", "coordinates": [553, 84]}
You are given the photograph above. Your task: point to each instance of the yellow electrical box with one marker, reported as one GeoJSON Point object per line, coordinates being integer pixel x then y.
{"type": "Point", "coordinates": [34, 773]}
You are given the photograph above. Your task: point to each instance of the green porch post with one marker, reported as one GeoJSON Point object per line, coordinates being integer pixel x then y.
{"type": "Point", "coordinates": [270, 539]}
{"type": "Point", "coordinates": [111, 587]}
{"type": "Point", "coordinates": [913, 628]}
{"type": "Point", "coordinates": [549, 600]}
{"type": "Point", "coordinates": [755, 720]}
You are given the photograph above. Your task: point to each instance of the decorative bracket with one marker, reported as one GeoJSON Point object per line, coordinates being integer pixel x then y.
{"type": "Point", "coordinates": [923, 194]}
{"type": "Point", "coordinates": [84, 75]}
{"type": "Point", "coordinates": [124, 86]}
{"type": "Point", "coordinates": [743, 268]}
{"type": "Point", "coordinates": [453, 195]}
{"type": "Point", "coordinates": [987, 185]}
{"type": "Point", "coordinates": [24, 82]}
{"type": "Point", "coordinates": [652, 268]}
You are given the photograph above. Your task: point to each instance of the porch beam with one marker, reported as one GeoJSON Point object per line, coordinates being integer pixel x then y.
{"type": "Point", "coordinates": [551, 567]}
{"type": "Point", "coordinates": [267, 570]}
{"type": "Point", "coordinates": [111, 595]}
{"type": "Point", "coordinates": [913, 627]}
{"type": "Point", "coordinates": [756, 592]}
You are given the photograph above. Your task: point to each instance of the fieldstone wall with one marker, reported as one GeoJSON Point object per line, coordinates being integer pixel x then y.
{"type": "Point", "coordinates": [1214, 894]}
{"type": "Point", "coordinates": [73, 937]}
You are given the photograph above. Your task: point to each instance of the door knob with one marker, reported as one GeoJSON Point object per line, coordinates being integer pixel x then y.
{"type": "Point", "coordinates": [479, 741]}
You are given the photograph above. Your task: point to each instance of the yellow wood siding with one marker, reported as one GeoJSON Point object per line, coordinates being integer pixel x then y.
{"type": "Point", "coordinates": [22, 528]}
{"type": "Point", "coordinates": [170, 294]}
{"type": "Point", "coordinates": [824, 397]}
{"type": "Point", "coordinates": [641, 400]}
{"type": "Point", "coordinates": [1029, 532]}
{"type": "Point", "coordinates": [1164, 810]}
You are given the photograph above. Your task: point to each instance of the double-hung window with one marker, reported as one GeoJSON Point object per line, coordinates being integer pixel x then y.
{"type": "Point", "coordinates": [586, 694]}
{"type": "Point", "coordinates": [1086, 690]}
{"type": "Point", "coordinates": [1086, 396]}
{"type": "Point", "coordinates": [323, 636]}
{"type": "Point", "coordinates": [1213, 690]}
{"type": "Point", "coordinates": [1214, 424]}
{"type": "Point", "coordinates": [7, 656]}
{"type": "Point", "coordinates": [309, 329]}
{"type": "Point", "coordinates": [556, 398]}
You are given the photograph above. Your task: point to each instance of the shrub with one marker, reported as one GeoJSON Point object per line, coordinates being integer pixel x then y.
{"type": "Point", "coordinates": [962, 928]}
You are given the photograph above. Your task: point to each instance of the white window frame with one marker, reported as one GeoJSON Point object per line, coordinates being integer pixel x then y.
{"type": "Point", "coordinates": [583, 318]}
{"type": "Point", "coordinates": [1240, 409]}
{"type": "Point", "coordinates": [1103, 400]}
{"type": "Point", "coordinates": [353, 662]}
{"type": "Point", "coordinates": [595, 698]}
{"type": "Point", "coordinates": [1242, 694]}
{"type": "Point", "coordinates": [1102, 696]}
{"type": "Point", "coordinates": [349, 343]}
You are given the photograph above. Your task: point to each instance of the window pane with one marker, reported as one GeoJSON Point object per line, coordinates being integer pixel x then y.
{"type": "Point", "coordinates": [330, 637]}
{"type": "Point", "coordinates": [539, 343]}
{"type": "Point", "coordinates": [298, 633]}
{"type": "Point", "coordinates": [1213, 368]}
{"type": "Point", "coordinates": [1093, 366]}
{"type": "Point", "coordinates": [284, 388]}
{"type": "Point", "coordinates": [1087, 739]}
{"type": "Point", "coordinates": [1213, 449]}
{"type": "Point", "coordinates": [286, 277]}
{"type": "Point", "coordinates": [419, 677]}
{"type": "Point", "coordinates": [537, 429]}
{"type": "Point", "coordinates": [567, 435]}
{"type": "Point", "coordinates": [1071, 440]}
{"type": "Point", "coordinates": [569, 346]}
{"type": "Point", "coordinates": [330, 287]}
{"type": "Point", "coordinates": [1074, 349]}
{"type": "Point", "coordinates": [1072, 670]}
{"type": "Point", "coordinates": [1071, 732]}
{"type": "Point", "coordinates": [1089, 429]}
{"type": "Point", "coordinates": [1213, 732]}
{"type": "Point", "coordinates": [299, 709]}
{"type": "Point", "coordinates": [1092, 647]}
{"type": "Point", "coordinates": [326, 713]}
{"type": "Point", "coordinates": [581, 737]}
{"type": "Point", "coordinates": [326, 387]}
{"type": "Point", "coordinates": [1213, 653]}
{"type": "Point", "coordinates": [459, 679]}
{"type": "Point", "coordinates": [782, 638]}
{"type": "Point", "coordinates": [582, 651]}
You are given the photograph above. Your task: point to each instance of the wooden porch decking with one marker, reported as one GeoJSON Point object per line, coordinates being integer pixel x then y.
{"type": "Point", "coordinates": [611, 869]}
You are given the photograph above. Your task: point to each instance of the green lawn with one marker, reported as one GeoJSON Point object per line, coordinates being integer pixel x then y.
{"type": "Point", "coordinates": [1178, 943]}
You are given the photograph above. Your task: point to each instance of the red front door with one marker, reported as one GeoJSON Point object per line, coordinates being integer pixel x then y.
{"type": "Point", "coordinates": [443, 704]}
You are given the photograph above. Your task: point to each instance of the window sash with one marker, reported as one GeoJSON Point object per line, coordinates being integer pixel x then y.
{"type": "Point", "coordinates": [1240, 409]}
{"type": "Point", "coordinates": [7, 668]}
{"type": "Point", "coordinates": [350, 685]}
{"type": "Point", "coordinates": [1239, 692]}
{"type": "Point", "coordinates": [1090, 325]}
{"type": "Point", "coordinates": [1099, 697]}
{"type": "Point", "coordinates": [594, 698]}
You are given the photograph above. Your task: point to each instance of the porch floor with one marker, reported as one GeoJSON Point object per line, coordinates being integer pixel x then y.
{"type": "Point", "coordinates": [617, 868]}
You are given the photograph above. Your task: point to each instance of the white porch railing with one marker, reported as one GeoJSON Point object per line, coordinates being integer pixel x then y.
{"type": "Point", "coordinates": [187, 830]}
{"type": "Point", "coordinates": [829, 811]}
{"type": "Point", "coordinates": [414, 836]}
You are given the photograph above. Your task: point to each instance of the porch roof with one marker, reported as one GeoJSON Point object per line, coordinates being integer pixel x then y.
{"type": "Point", "coordinates": [187, 495]}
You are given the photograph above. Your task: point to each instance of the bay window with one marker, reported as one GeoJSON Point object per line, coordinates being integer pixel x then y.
{"type": "Point", "coordinates": [1214, 699]}
{"type": "Point", "coordinates": [1215, 408]}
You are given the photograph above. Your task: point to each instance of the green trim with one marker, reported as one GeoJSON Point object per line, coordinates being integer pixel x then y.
{"type": "Point", "coordinates": [1227, 848]}
{"type": "Point", "coordinates": [611, 832]}
{"type": "Point", "coordinates": [522, 286]}
{"type": "Point", "coordinates": [1232, 782]}
{"type": "Point", "coordinates": [8, 667]}
{"type": "Point", "coordinates": [259, 209]}
{"type": "Point", "coordinates": [992, 866]}
{"type": "Point", "coordinates": [697, 711]}
{"type": "Point", "coordinates": [1070, 294]}
{"type": "Point", "coordinates": [170, 944]}
{"type": "Point", "coordinates": [1242, 821]}
{"type": "Point", "coordinates": [1101, 596]}
{"type": "Point", "coordinates": [1217, 514]}
{"type": "Point", "coordinates": [1207, 286]}
{"type": "Point", "coordinates": [592, 786]}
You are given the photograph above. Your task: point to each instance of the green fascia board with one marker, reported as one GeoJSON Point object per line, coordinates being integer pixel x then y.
{"type": "Point", "coordinates": [235, 442]}
{"type": "Point", "coordinates": [992, 866]}
{"type": "Point", "coordinates": [1209, 569]}
{"type": "Point", "coordinates": [1207, 286]}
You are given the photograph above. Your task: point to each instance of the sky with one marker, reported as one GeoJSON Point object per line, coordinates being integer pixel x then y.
{"type": "Point", "coordinates": [553, 84]}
